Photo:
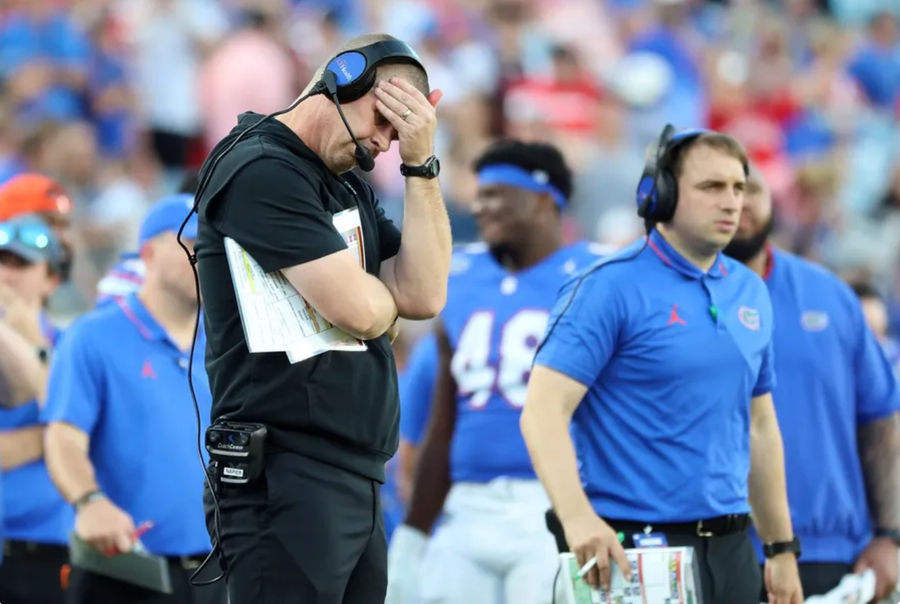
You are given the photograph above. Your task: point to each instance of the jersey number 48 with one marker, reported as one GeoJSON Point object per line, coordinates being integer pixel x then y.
{"type": "Point", "coordinates": [479, 371]}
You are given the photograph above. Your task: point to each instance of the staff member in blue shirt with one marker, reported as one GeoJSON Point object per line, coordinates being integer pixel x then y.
{"type": "Point", "coordinates": [36, 519]}
{"type": "Point", "coordinates": [121, 436]}
{"type": "Point", "coordinates": [837, 402]}
{"type": "Point", "coordinates": [660, 356]}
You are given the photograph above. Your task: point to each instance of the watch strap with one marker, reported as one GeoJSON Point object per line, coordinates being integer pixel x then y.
{"type": "Point", "coordinates": [87, 498]}
{"type": "Point", "coordinates": [892, 534]}
{"type": "Point", "coordinates": [429, 169]}
{"type": "Point", "coordinates": [782, 547]}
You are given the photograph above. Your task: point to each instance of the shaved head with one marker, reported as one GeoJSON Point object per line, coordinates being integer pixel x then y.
{"type": "Point", "coordinates": [385, 70]}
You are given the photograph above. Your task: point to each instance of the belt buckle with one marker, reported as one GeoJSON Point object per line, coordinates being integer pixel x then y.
{"type": "Point", "coordinates": [701, 532]}
{"type": "Point", "coordinates": [189, 563]}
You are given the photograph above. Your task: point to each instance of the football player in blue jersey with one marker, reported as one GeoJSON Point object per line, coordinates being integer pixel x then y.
{"type": "Point", "coordinates": [837, 402]}
{"type": "Point", "coordinates": [492, 545]}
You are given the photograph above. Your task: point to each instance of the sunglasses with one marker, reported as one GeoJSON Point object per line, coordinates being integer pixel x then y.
{"type": "Point", "coordinates": [35, 235]}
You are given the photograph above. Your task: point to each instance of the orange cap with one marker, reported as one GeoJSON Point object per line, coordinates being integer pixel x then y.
{"type": "Point", "coordinates": [31, 194]}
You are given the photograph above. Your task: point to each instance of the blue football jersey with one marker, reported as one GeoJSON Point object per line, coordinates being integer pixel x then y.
{"type": "Point", "coordinates": [494, 320]}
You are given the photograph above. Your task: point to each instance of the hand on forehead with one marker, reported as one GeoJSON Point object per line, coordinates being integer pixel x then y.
{"type": "Point", "coordinates": [410, 73]}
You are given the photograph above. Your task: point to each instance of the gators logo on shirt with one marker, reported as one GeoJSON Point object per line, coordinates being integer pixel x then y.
{"type": "Point", "coordinates": [749, 317]}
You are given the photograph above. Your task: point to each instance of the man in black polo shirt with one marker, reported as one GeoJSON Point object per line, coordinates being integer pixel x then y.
{"type": "Point", "coordinates": [310, 529]}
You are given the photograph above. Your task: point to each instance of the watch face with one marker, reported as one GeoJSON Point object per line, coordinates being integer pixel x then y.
{"type": "Point", "coordinates": [434, 166]}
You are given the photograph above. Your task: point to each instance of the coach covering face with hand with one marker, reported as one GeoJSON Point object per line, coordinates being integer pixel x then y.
{"type": "Point", "coordinates": [309, 528]}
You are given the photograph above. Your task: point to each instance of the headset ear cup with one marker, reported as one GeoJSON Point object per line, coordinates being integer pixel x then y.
{"type": "Point", "coordinates": [667, 193]}
{"type": "Point", "coordinates": [352, 74]}
{"type": "Point", "coordinates": [646, 195]}
{"type": "Point", "coordinates": [357, 88]}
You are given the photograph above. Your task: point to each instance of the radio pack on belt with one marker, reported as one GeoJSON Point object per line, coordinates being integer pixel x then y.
{"type": "Point", "coordinates": [236, 449]}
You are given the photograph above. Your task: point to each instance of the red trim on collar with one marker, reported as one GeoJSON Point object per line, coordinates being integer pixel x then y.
{"type": "Point", "coordinates": [129, 314]}
{"type": "Point", "coordinates": [659, 252]}
{"type": "Point", "coordinates": [723, 269]}
{"type": "Point", "coordinates": [770, 262]}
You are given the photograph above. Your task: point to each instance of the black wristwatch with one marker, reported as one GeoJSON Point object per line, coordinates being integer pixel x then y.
{"type": "Point", "coordinates": [782, 547]}
{"type": "Point", "coordinates": [430, 169]}
{"type": "Point", "coordinates": [892, 534]}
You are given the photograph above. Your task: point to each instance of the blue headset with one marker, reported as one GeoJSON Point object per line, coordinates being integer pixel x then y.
{"type": "Point", "coordinates": [354, 70]}
{"type": "Point", "coordinates": [657, 191]}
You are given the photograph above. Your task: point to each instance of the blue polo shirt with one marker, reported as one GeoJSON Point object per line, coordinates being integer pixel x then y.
{"type": "Point", "coordinates": [119, 377]}
{"type": "Point", "coordinates": [671, 357]}
{"type": "Point", "coordinates": [33, 509]}
{"type": "Point", "coordinates": [832, 378]}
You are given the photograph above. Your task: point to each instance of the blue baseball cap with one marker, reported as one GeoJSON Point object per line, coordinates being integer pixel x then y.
{"type": "Point", "coordinates": [167, 214]}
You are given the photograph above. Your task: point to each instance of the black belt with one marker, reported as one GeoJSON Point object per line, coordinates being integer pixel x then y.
{"type": "Point", "coordinates": [190, 563]}
{"type": "Point", "coordinates": [13, 547]}
{"type": "Point", "coordinates": [711, 527]}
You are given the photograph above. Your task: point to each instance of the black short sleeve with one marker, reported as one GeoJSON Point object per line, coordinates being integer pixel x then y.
{"type": "Point", "coordinates": [388, 233]}
{"type": "Point", "coordinates": [276, 214]}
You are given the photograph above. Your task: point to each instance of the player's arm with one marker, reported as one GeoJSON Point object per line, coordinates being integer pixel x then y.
{"type": "Point", "coordinates": [345, 294]}
{"type": "Point", "coordinates": [878, 420]}
{"type": "Point", "coordinates": [417, 275]}
{"type": "Point", "coordinates": [68, 462]}
{"type": "Point", "coordinates": [98, 522]}
{"type": "Point", "coordinates": [768, 500]}
{"type": "Point", "coordinates": [878, 440]}
{"type": "Point", "coordinates": [551, 402]}
{"type": "Point", "coordinates": [431, 478]}
{"type": "Point", "coordinates": [879, 447]}
{"type": "Point", "coordinates": [21, 446]}
{"type": "Point", "coordinates": [768, 491]}
{"type": "Point", "coordinates": [552, 399]}
{"type": "Point", "coordinates": [23, 377]}
{"type": "Point", "coordinates": [879, 444]}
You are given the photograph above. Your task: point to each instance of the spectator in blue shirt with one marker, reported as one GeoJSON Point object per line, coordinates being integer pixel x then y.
{"type": "Point", "coordinates": [837, 402]}
{"type": "Point", "coordinates": [876, 66]}
{"type": "Point", "coordinates": [660, 357]}
{"type": "Point", "coordinates": [44, 62]}
{"type": "Point", "coordinates": [36, 519]}
{"type": "Point", "coordinates": [122, 436]}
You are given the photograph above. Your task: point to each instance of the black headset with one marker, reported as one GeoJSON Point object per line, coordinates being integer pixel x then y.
{"type": "Point", "coordinates": [354, 70]}
{"type": "Point", "coordinates": [346, 78]}
{"type": "Point", "coordinates": [657, 191]}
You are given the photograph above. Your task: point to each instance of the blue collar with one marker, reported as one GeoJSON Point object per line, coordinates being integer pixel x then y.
{"type": "Point", "coordinates": [671, 258]}
{"type": "Point", "coordinates": [138, 315]}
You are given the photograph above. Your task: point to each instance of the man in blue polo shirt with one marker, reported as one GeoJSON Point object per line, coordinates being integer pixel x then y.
{"type": "Point", "coordinates": [837, 402]}
{"type": "Point", "coordinates": [121, 435]}
{"type": "Point", "coordinates": [660, 357]}
{"type": "Point", "coordinates": [36, 519]}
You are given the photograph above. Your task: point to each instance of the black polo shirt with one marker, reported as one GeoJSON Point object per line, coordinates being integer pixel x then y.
{"type": "Point", "coordinates": [276, 198]}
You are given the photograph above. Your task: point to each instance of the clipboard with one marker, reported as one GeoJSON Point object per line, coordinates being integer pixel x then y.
{"type": "Point", "coordinates": [135, 567]}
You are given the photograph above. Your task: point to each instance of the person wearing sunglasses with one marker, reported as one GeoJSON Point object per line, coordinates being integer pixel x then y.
{"type": "Point", "coordinates": [41, 195]}
{"type": "Point", "coordinates": [36, 518]}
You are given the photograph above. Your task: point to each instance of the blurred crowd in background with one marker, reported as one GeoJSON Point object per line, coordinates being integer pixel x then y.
{"type": "Point", "coordinates": [119, 100]}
